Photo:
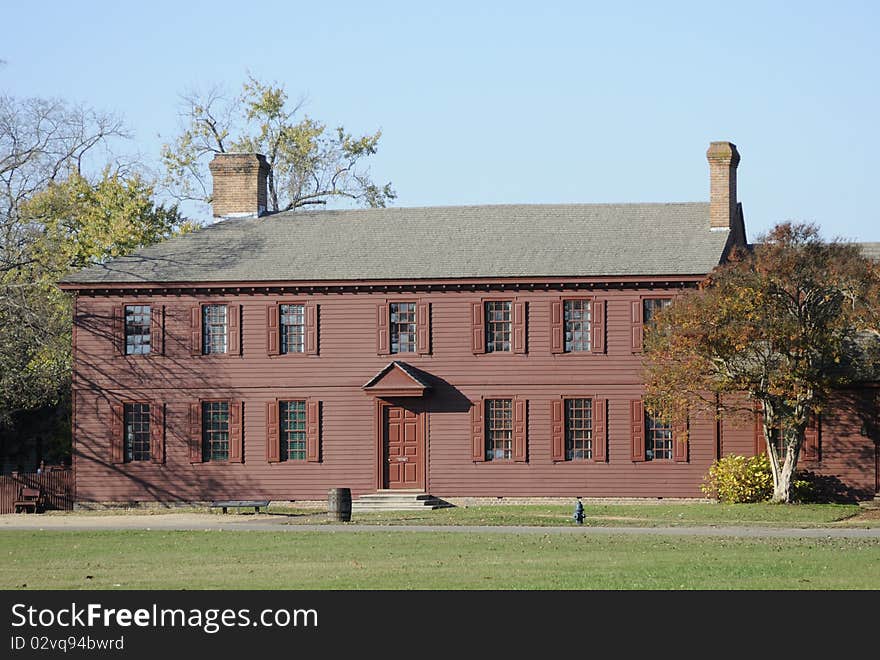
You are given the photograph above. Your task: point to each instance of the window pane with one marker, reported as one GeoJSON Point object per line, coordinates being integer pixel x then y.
{"type": "Point", "coordinates": [578, 429]}
{"type": "Point", "coordinates": [293, 430]}
{"type": "Point", "coordinates": [577, 325]}
{"type": "Point", "coordinates": [137, 432]}
{"type": "Point", "coordinates": [215, 431]}
{"type": "Point", "coordinates": [650, 306]}
{"type": "Point", "coordinates": [658, 439]}
{"type": "Point", "coordinates": [213, 329]}
{"type": "Point", "coordinates": [499, 429]}
{"type": "Point", "coordinates": [137, 329]}
{"type": "Point", "coordinates": [293, 328]}
{"type": "Point", "coordinates": [498, 322]}
{"type": "Point", "coordinates": [403, 327]}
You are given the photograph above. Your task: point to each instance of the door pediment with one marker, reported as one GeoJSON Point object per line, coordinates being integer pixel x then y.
{"type": "Point", "coordinates": [396, 379]}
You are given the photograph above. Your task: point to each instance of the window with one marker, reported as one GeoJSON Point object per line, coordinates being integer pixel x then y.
{"type": "Point", "coordinates": [214, 326]}
{"type": "Point", "coordinates": [137, 329]}
{"type": "Point", "coordinates": [215, 430]}
{"type": "Point", "coordinates": [403, 327]}
{"type": "Point", "coordinates": [650, 306]}
{"type": "Point", "coordinates": [498, 326]}
{"type": "Point", "coordinates": [578, 429]}
{"type": "Point", "coordinates": [658, 439]}
{"type": "Point", "coordinates": [577, 325]}
{"type": "Point", "coordinates": [293, 430]}
{"type": "Point", "coordinates": [136, 445]}
{"type": "Point", "coordinates": [499, 429]}
{"type": "Point", "coordinates": [293, 326]}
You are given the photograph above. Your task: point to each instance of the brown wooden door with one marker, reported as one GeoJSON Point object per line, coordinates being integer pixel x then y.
{"type": "Point", "coordinates": [404, 452]}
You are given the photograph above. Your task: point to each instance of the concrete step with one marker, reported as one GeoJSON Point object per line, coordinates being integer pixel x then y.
{"type": "Point", "coordinates": [398, 500]}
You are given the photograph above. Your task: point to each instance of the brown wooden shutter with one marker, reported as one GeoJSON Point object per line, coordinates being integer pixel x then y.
{"type": "Point", "coordinates": [637, 430]}
{"type": "Point", "coordinates": [382, 338]}
{"type": "Point", "coordinates": [760, 442]}
{"type": "Point", "coordinates": [195, 330]}
{"type": "Point", "coordinates": [478, 432]}
{"type": "Point", "coordinates": [157, 432]}
{"type": "Point", "coordinates": [519, 327]}
{"type": "Point", "coordinates": [520, 430]}
{"type": "Point", "coordinates": [233, 329]}
{"type": "Point", "coordinates": [811, 440]}
{"type": "Point", "coordinates": [557, 430]}
{"type": "Point", "coordinates": [236, 455]}
{"type": "Point", "coordinates": [638, 329]}
{"type": "Point", "coordinates": [423, 328]}
{"type": "Point", "coordinates": [272, 334]}
{"type": "Point", "coordinates": [478, 329]}
{"type": "Point", "coordinates": [117, 433]}
{"type": "Point", "coordinates": [195, 432]}
{"type": "Point", "coordinates": [119, 329]}
{"type": "Point", "coordinates": [313, 431]}
{"type": "Point", "coordinates": [597, 326]}
{"type": "Point", "coordinates": [600, 430]}
{"type": "Point", "coordinates": [680, 441]}
{"type": "Point", "coordinates": [273, 437]}
{"type": "Point", "coordinates": [311, 328]}
{"type": "Point", "coordinates": [157, 329]}
{"type": "Point", "coordinates": [557, 344]}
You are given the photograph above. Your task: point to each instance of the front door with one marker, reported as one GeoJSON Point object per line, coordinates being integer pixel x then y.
{"type": "Point", "coordinates": [404, 451]}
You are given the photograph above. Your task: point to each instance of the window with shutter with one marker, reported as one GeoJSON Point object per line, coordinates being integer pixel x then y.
{"type": "Point", "coordinates": [292, 428]}
{"type": "Point", "coordinates": [643, 312]}
{"type": "Point", "coordinates": [499, 326]}
{"type": "Point", "coordinates": [403, 327]}
{"type": "Point", "coordinates": [139, 323]}
{"type": "Point", "coordinates": [577, 326]}
{"type": "Point", "coordinates": [499, 430]}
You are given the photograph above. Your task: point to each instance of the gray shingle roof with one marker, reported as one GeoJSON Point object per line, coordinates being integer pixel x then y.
{"type": "Point", "coordinates": [871, 250]}
{"type": "Point", "coordinates": [427, 243]}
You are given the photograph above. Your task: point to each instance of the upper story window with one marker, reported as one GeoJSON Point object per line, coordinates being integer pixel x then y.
{"type": "Point", "coordinates": [403, 327]}
{"type": "Point", "coordinates": [658, 438]}
{"type": "Point", "coordinates": [577, 325]}
{"type": "Point", "coordinates": [650, 306]}
{"type": "Point", "coordinates": [498, 326]}
{"type": "Point", "coordinates": [293, 328]}
{"type": "Point", "coordinates": [215, 430]}
{"type": "Point", "coordinates": [137, 329]}
{"type": "Point", "coordinates": [136, 443]}
{"type": "Point", "coordinates": [214, 329]}
{"type": "Point", "coordinates": [293, 430]}
{"type": "Point", "coordinates": [578, 429]}
{"type": "Point", "coordinates": [499, 429]}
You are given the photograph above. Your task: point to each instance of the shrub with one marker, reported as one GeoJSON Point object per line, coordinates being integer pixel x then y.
{"type": "Point", "coordinates": [738, 479]}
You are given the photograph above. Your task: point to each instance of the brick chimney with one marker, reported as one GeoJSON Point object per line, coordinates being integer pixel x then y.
{"type": "Point", "coordinates": [239, 185]}
{"type": "Point", "coordinates": [723, 160]}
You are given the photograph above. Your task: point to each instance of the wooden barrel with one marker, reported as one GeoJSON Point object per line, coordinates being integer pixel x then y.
{"type": "Point", "coordinates": [339, 504]}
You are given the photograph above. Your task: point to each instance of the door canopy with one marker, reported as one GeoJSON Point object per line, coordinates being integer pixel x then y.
{"type": "Point", "coordinates": [397, 379]}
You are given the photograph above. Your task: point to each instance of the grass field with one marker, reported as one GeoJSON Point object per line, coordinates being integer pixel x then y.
{"type": "Point", "coordinates": [605, 515]}
{"type": "Point", "coordinates": [387, 560]}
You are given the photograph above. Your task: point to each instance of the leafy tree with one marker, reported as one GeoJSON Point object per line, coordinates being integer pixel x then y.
{"type": "Point", "coordinates": [54, 219]}
{"type": "Point", "coordinates": [308, 163]}
{"type": "Point", "coordinates": [786, 324]}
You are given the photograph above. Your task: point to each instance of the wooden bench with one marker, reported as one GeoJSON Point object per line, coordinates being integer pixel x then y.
{"type": "Point", "coordinates": [240, 504]}
{"type": "Point", "coordinates": [28, 500]}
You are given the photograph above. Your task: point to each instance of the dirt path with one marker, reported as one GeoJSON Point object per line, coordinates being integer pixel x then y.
{"type": "Point", "coordinates": [281, 523]}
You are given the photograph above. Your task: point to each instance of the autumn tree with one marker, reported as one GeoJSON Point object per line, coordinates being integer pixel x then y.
{"type": "Point", "coordinates": [785, 324]}
{"type": "Point", "coordinates": [309, 163]}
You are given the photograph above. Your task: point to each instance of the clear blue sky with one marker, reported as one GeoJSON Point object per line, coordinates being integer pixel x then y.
{"type": "Point", "coordinates": [484, 103]}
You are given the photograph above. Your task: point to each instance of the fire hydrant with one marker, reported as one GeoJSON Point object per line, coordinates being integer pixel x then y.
{"type": "Point", "coordinates": [579, 512]}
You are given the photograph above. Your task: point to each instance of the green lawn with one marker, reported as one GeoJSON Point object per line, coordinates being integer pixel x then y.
{"type": "Point", "coordinates": [609, 515]}
{"type": "Point", "coordinates": [387, 560]}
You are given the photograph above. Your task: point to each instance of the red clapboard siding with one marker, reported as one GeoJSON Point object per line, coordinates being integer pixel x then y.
{"type": "Point", "coordinates": [347, 442]}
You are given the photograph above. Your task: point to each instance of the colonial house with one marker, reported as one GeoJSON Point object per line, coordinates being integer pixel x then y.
{"type": "Point", "coordinates": [477, 351]}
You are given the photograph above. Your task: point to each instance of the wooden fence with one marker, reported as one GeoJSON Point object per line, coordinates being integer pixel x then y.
{"type": "Point", "coordinates": [55, 484]}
